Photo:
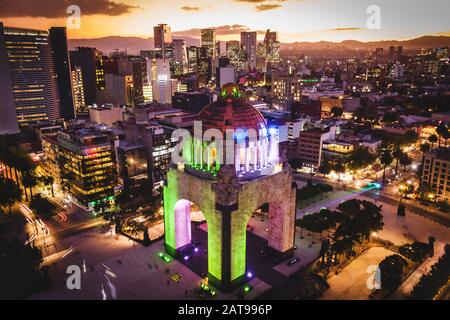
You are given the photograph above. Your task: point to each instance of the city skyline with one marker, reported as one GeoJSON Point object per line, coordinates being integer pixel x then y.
{"type": "Point", "coordinates": [295, 20]}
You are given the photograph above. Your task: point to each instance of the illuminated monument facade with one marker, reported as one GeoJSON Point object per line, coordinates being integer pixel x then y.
{"type": "Point", "coordinates": [228, 181]}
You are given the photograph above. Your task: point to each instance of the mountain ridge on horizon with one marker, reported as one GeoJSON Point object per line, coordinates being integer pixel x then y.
{"type": "Point", "coordinates": [134, 44]}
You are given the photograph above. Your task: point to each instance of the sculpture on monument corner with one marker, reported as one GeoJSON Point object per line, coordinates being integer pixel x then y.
{"type": "Point", "coordinates": [227, 188]}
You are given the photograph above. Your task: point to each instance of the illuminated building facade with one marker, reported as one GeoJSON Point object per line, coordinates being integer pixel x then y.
{"type": "Point", "coordinates": [228, 194]}
{"type": "Point", "coordinates": [8, 120]}
{"type": "Point", "coordinates": [119, 89]}
{"type": "Point", "coordinates": [92, 65]}
{"type": "Point", "coordinates": [32, 73]}
{"type": "Point", "coordinates": [84, 160]}
{"type": "Point", "coordinates": [192, 57]}
{"type": "Point", "coordinates": [236, 55]}
{"type": "Point", "coordinates": [157, 144]}
{"type": "Point", "coordinates": [336, 150]}
{"type": "Point", "coordinates": [272, 46]}
{"type": "Point", "coordinates": [208, 40]}
{"type": "Point", "coordinates": [311, 143]}
{"type": "Point", "coordinates": [286, 87]}
{"type": "Point", "coordinates": [163, 41]}
{"type": "Point", "coordinates": [179, 56]}
{"type": "Point", "coordinates": [248, 42]}
{"type": "Point", "coordinates": [58, 40]}
{"type": "Point", "coordinates": [436, 173]}
{"type": "Point", "coordinates": [78, 91]}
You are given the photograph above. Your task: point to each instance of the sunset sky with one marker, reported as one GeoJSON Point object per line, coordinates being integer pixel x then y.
{"type": "Point", "coordinates": [295, 20]}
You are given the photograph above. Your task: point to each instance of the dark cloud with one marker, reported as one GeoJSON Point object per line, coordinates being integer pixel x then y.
{"type": "Point", "coordinates": [266, 7]}
{"type": "Point", "coordinates": [344, 29]}
{"type": "Point", "coordinates": [58, 8]}
{"type": "Point", "coordinates": [188, 8]}
{"type": "Point", "coordinates": [220, 31]}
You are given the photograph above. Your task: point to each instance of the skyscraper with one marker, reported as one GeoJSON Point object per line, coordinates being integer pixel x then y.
{"type": "Point", "coordinates": [78, 90]}
{"type": "Point", "coordinates": [163, 40]}
{"type": "Point", "coordinates": [248, 42]}
{"type": "Point", "coordinates": [208, 40]}
{"type": "Point", "coordinates": [32, 73]}
{"type": "Point", "coordinates": [58, 41]}
{"type": "Point", "coordinates": [92, 67]}
{"type": "Point", "coordinates": [8, 120]}
{"type": "Point", "coordinates": [158, 74]}
{"type": "Point", "coordinates": [236, 54]}
{"type": "Point", "coordinates": [192, 57]}
{"type": "Point", "coordinates": [272, 46]}
{"type": "Point", "coordinates": [180, 56]}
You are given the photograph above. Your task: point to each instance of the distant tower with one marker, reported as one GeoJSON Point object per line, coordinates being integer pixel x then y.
{"type": "Point", "coordinates": [248, 42]}
{"type": "Point", "coordinates": [58, 40]}
{"type": "Point", "coordinates": [163, 40]}
{"type": "Point", "coordinates": [208, 40]}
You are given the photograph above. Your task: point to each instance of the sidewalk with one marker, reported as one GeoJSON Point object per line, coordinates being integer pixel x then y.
{"type": "Point", "coordinates": [408, 285]}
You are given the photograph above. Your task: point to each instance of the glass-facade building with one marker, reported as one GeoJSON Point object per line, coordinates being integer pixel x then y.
{"type": "Point", "coordinates": [85, 163]}
{"type": "Point", "coordinates": [33, 75]}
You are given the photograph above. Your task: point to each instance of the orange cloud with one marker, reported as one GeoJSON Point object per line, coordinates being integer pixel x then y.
{"type": "Point", "coordinates": [266, 7]}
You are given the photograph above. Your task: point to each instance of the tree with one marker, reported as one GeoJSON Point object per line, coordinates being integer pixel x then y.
{"type": "Point", "coordinates": [397, 154]}
{"type": "Point", "coordinates": [42, 207]}
{"type": "Point", "coordinates": [405, 161]}
{"type": "Point", "coordinates": [324, 188]}
{"type": "Point", "coordinates": [442, 132]}
{"type": "Point", "coordinates": [416, 251]}
{"type": "Point", "coordinates": [10, 193]}
{"type": "Point", "coordinates": [102, 205]}
{"type": "Point", "coordinates": [360, 159]}
{"type": "Point", "coordinates": [424, 148]}
{"type": "Point", "coordinates": [49, 181]}
{"type": "Point", "coordinates": [325, 168]}
{"type": "Point", "coordinates": [29, 180]}
{"type": "Point", "coordinates": [339, 168]}
{"type": "Point", "coordinates": [385, 160]}
{"type": "Point", "coordinates": [446, 136]}
{"type": "Point", "coordinates": [296, 164]}
{"type": "Point", "coordinates": [360, 218]}
{"type": "Point", "coordinates": [391, 269]}
{"type": "Point", "coordinates": [432, 139]}
{"type": "Point", "coordinates": [19, 269]}
{"type": "Point", "coordinates": [425, 191]}
{"type": "Point", "coordinates": [337, 112]}
{"type": "Point", "coordinates": [436, 278]}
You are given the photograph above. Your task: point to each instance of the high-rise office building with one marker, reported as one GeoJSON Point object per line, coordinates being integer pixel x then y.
{"type": "Point", "coordinates": [32, 73]}
{"type": "Point", "coordinates": [119, 89]}
{"type": "Point", "coordinates": [129, 65]}
{"type": "Point", "coordinates": [78, 91]}
{"type": "Point", "coordinates": [158, 74]}
{"type": "Point", "coordinates": [192, 57]}
{"type": "Point", "coordinates": [286, 87]}
{"type": "Point", "coordinates": [179, 56]}
{"type": "Point", "coordinates": [272, 46]}
{"type": "Point", "coordinates": [208, 40]}
{"type": "Point", "coordinates": [163, 41]}
{"type": "Point", "coordinates": [205, 63]}
{"type": "Point", "coordinates": [236, 54]}
{"type": "Point", "coordinates": [90, 60]}
{"type": "Point", "coordinates": [88, 156]}
{"type": "Point", "coordinates": [248, 42]}
{"type": "Point", "coordinates": [8, 120]}
{"type": "Point", "coordinates": [58, 41]}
